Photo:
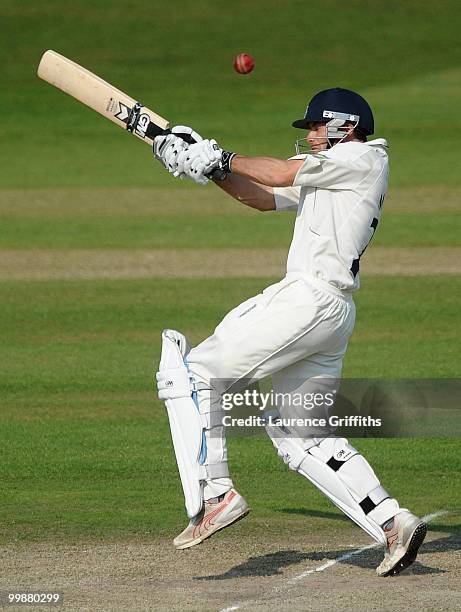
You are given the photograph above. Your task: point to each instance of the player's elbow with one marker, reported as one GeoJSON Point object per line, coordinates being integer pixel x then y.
{"type": "Point", "coordinates": [284, 173]}
{"type": "Point", "coordinates": [282, 178]}
{"type": "Point", "coordinates": [262, 204]}
{"type": "Point", "coordinates": [266, 205]}
{"type": "Point", "coordinates": [284, 181]}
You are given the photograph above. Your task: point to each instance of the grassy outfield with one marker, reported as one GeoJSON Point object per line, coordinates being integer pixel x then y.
{"type": "Point", "coordinates": [180, 63]}
{"type": "Point", "coordinates": [191, 217]}
{"type": "Point", "coordinates": [84, 446]}
{"type": "Point", "coordinates": [84, 220]}
{"type": "Point", "coordinates": [86, 449]}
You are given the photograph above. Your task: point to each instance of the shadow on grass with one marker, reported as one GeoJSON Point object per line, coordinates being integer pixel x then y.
{"type": "Point", "coordinates": [314, 513]}
{"type": "Point", "coordinates": [265, 565]}
{"type": "Point", "coordinates": [341, 517]}
{"type": "Point", "coordinates": [272, 564]}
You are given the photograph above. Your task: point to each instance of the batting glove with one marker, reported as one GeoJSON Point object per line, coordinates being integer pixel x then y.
{"type": "Point", "coordinates": [199, 160]}
{"type": "Point", "coordinates": [166, 149]}
{"type": "Point", "coordinates": [188, 134]}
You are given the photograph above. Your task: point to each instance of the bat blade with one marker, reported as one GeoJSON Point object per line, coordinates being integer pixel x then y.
{"type": "Point", "coordinates": [102, 97]}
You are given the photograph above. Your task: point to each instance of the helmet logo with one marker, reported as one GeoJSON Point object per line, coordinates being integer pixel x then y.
{"type": "Point", "coordinates": [344, 116]}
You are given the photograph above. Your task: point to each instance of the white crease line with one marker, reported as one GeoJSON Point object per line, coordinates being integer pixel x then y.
{"type": "Point", "coordinates": [331, 562]}
{"type": "Point", "coordinates": [427, 519]}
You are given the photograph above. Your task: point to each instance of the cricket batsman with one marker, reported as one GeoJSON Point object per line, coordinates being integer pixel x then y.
{"type": "Point", "coordinates": [296, 330]}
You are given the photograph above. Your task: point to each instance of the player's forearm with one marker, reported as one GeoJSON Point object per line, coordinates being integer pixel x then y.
{"type": "Point", "coordinates": [248, 192]}
{"type": "Point", "coordinates": [268, 171]}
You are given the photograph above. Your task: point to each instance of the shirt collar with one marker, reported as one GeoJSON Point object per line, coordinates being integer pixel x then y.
{"type": "Point", "coordinates": [378, 142]}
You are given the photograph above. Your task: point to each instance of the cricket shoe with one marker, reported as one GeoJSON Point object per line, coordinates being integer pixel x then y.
{"type": "Point", "coordinates": [213, 516]}
{"type": "Point", "coordinates": [404, 533]}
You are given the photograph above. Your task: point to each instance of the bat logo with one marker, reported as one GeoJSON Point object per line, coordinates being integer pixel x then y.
{"type": "Point", "coordinates": [123, 112]}
{"type": "Point", "coordinates": [135, 121]}
{"type": "Point", "coordinates": [142, 124]}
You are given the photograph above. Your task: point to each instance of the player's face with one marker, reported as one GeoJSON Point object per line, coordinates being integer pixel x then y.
{"type": "Point", "coordinates": [317, 137]}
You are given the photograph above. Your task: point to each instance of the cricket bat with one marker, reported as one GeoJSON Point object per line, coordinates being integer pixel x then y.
{"type": "Point", "coordinates": [102, 97]}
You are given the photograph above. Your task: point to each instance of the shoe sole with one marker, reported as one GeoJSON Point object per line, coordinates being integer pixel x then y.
{"type": "Point", "coordinates": [409, 557]}
{"type": "Point", "coordinates": [207, 535]}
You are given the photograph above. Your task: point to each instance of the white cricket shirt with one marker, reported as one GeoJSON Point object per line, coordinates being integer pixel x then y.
{"type": "Point", "coordinates": [338, 194]}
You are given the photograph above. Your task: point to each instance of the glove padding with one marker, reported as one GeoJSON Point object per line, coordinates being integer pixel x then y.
{"type": "Point", "coordinates": [166, 150]}
{"type": "Point", "coordinates": [199, 160]}
{"type": "Point", "coordinates": [167, 147]}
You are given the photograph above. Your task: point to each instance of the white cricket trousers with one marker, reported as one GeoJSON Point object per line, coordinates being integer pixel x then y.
{"type": "Point", "coordinates": [295, 329]}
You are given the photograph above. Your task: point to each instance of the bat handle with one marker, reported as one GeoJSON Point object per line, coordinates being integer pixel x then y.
{"type": "Point", "coordinates": [186, 137]}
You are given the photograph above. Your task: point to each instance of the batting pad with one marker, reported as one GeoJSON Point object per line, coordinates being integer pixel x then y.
{"type": "Point", "coordinates": [338, 470]}
{"type": "Point", "coordinates": [176, 387]}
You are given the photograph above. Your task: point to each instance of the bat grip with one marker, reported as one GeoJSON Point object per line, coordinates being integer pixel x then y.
{"type": "Point", "coordinates": [186, 137]}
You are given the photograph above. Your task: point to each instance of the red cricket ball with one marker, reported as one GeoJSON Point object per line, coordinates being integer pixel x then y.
{"type": "Point", "coordinates": [244, 63]}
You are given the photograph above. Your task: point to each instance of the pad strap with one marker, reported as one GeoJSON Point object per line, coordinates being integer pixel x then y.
{"type": "Point", "coordinates": [373, 499]}
{"type": "Point", "coordinates": [214, 470]}
{"type": "Point", "coordinates": [212, 419]}
{"type": "Point", "coordinates": [174, 383]}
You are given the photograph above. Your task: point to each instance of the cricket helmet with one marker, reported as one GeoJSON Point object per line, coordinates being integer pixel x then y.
{"type": "Point", "coordinates": [338, 104]}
